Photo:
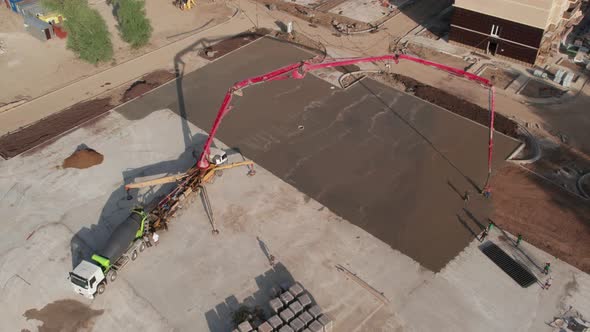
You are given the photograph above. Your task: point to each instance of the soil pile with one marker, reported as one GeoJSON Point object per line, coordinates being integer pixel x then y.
{"type": "Point", "coordinates": [83, 159]}
{"type": "Point", "coordinates": [147, 83]}
{"type": "Point", "coordinates": [17, 142]}
{"type": "Point", "coordinates": [453, 103]}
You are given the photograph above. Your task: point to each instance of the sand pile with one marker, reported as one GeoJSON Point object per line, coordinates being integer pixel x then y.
{"type": "Point", "coordinates": [83, 159]}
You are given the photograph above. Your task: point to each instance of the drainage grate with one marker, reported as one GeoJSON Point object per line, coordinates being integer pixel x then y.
{"type": "Point", "coordinates": [523, 277]}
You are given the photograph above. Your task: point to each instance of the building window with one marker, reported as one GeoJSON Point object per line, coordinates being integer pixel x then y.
{"type": "Point", "coordinates": [495, 31]}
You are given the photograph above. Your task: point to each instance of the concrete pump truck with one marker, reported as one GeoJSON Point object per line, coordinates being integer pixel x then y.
{"type": "Point", "coordinates": [124, 245]}
{"type": "Point", "coordinates": [127, 241]}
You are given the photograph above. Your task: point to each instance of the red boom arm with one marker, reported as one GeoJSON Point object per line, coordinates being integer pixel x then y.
{"type": "Point", "coordinates": [298, 71]}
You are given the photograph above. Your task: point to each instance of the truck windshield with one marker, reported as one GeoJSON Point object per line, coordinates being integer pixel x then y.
{"type": "Point", "coordinates": [79, 281]}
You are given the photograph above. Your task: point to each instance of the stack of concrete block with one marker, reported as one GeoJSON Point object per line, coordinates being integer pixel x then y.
{"type": "Point", "coordinates": [293, 311]}
{"type": "Point", "coordinates": [243, 327]}
{"type": "Point", "coordinates": [265, 327]}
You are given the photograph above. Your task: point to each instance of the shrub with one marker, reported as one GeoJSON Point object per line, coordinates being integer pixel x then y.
{"type": "Point", "coordinates": [134, 26]}
{"type": "Point", "coordinates": [88, 35]}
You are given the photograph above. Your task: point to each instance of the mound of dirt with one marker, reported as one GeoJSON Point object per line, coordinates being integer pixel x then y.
{"type": "Point", "coordinates": [147, 83]}
{"type": "Point", "coordinates": [452, 103]}
{"type": "Point", "coordinates": [83, 159]}
{"type": "Point", "coordinates": [17, 142]}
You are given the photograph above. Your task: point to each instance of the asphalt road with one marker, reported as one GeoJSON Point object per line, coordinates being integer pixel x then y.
{"type": "Point", "coordinates": [386, 161]}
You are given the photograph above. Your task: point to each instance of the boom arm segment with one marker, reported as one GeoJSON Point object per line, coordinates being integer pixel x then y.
{"type": "Point", "coordinates": [300, 69]}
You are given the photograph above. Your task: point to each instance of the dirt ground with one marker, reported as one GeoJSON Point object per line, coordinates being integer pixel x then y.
{"type": "Point", "coordinates": [52, 126]}
{"type": "Point", "coordinates": [546, 216]}
{"type": "Point", "coordinates": [147, 83]}
{"type": "Point", "coordinates": [315, 16]}
{"type": "Point", "coordinates": [561, 164]}
{"type": "Point", "coordinates": [59, 66]}
{"type": "Point", "coordinates": [537, 89]}
{"type": "Point", "coordinates": [231, 44]}
{"type": "Point", "coordinates": [449, 102]}
{"type": "Point", "coordinates": [430, 54]}
{"type": "Point", "coordinates": [17, 142]}
{"type": "Point", "coordinates": [312, 45]}
{"type": "Point", "coordinates": [499, 77]}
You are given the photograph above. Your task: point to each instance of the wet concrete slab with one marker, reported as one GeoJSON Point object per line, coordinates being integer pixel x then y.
{"type": "Point", "coordinates": [394, 165]}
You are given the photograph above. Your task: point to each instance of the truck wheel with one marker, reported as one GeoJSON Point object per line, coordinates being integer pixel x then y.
{"type": "Point", "coordinates": [101, 288]}
{"type": "Point", "coordinates": [112, 275]}
{"type": "Point", "coordinates": [134, 255]}
{"type": "Point", "coordinates": [142, 247]}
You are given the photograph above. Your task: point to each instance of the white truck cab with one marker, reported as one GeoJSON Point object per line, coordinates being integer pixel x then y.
{"type": "Point", "coordinates": [87, 279]}
{"type": "Point", "coordinates": [217, 156]}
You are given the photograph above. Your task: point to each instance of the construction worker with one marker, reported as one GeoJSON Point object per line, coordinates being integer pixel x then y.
{"type": "Point", "coordinates": [483, 235]}
{"type": "Point", "coordinates": [490, 226]}
{"type": "Point", "coordinates": [518, 239]}
{"type": "Point", "coordinates": [547, 268]}
{"type": "Point", "coordinates": [548, 283]}
{"type": "Point", "coordinates": [466, 197]}
{"type": "Point", "coordinates": [156, 237]}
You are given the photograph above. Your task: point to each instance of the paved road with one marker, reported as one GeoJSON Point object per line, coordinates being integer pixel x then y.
{"type": "Point", "coordinates": [386, 161]}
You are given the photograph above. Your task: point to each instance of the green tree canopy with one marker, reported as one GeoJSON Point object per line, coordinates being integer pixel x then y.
{"type": "Point", "coordinates": [134, 26]}
{"type": "Point", "coordinates": [88, 35]}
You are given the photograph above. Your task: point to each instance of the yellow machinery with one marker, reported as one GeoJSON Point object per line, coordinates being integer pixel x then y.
{"type": "Point", "coordinates": [212, 170]}
{"type": "Point", "coordinates": [185, 4]}
{"type": "Point", "coordinates": [189, 183]}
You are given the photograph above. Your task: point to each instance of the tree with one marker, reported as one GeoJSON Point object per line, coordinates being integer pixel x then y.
{"type": "Point", "coordinates": [88, 35]}
{"type": "Point", "coordinates": [134, 26]}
